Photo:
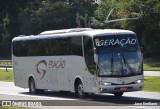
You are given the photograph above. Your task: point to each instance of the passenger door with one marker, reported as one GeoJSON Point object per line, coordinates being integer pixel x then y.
{"type": "Point", "coordinates": [90, 64]}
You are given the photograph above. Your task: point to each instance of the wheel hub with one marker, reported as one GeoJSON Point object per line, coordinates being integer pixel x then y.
{"type": "Point", "coordinates": [80, 89]}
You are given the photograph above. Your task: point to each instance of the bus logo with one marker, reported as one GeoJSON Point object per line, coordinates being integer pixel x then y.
{"type": "Point", "coordinates": [115, 42]}
{"type": "Point", "coordinates": [97, 42]}
{"type": "Point", "coordinates": [43, 72]}
{"type": "Point", "coordinates": [51, 64]}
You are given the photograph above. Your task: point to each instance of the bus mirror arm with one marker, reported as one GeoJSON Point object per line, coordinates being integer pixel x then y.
{"type": "Point", "coordinates": [95, 50]}
{"type": "Point", "coordinates": [142, 49]}
{"type": "Point", "coordinates": [95, 55]}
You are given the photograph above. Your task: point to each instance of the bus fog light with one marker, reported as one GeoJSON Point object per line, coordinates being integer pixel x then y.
{"type": "Point", "coordinates": [138, 81]}
{"type": "Point", "coordinates": [105, 83]}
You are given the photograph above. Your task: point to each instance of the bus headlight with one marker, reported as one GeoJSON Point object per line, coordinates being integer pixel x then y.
{"type": "Point", "coordinates": [105, 83]}
{"type": "Point", "coordinates": [138, 81]}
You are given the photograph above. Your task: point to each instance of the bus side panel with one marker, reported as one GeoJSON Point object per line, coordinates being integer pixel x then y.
{"type": "Point", "coordinates": [49, 75]}
{"type": "Point", "coordinates": [20, 74]}
{"type": "Point", "coordinates": [79, 70]}
{"type": "Point", "coordinates": [74, 66]}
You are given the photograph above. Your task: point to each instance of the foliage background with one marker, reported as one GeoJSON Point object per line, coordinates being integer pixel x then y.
{"type": "Point", "coordinates": [18, 17]}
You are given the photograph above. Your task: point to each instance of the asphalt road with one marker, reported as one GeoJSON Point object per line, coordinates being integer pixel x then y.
{"type": "Point", "coordinates": [129, 100]}
{"type": "Point", "coordinates": [151, 73]}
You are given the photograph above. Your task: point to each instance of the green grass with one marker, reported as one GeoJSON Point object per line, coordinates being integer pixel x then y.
{"type": "Point", "coordinates": [150, 68]}
{"type": "Point", "coordinates": [151, 64]}
{"type": "Point", "coordinates": [6, 76]}
{"type": "Point", "coordinates": [12, 107]}
{"type": "Point", "coordinates": [152, 84]}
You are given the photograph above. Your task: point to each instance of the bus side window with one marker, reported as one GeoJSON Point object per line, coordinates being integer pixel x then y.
{"type": "Point", "coordinates": [43, 47]}
{"type": "Point", "coordinates": [20, 48]}
{"type": "Point", "coordinates": [52, 48]}
{"type": "Point", "coordinates": [65, 46]}
{"type": "Point", "coordinates": [16, 48]}
{"type": "Point", "coordinates": [89, 54]}
{"type": "Point", "coordinates": [24, 48]}
{"type": "Point", "coordinates": [32, 48]}
{"type": "Point", "coordinates": [76, 45]}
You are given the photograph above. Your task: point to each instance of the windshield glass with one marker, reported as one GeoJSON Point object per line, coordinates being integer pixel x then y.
{"type": "Point", "coordinates": [118, 60]}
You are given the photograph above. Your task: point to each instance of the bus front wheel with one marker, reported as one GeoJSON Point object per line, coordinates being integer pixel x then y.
{"type": "Point", "coordinates": [119, 94]}
{"type": "Point", "coordinates": [80, 91]}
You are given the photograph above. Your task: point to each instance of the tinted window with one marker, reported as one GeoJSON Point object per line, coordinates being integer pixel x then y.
{"type": "Point", "coordinates": [16, 48]}
{"type": "Point", "coordinates": [76, 45]}
{"type": "Point", "coordinates": [32, 48]}
{"type": "Point", "coordinates": [89, 54]}
{"type": "Point", "coordinates": [49, 47]}
{"type": "Point", "coordinates": [20, 48]}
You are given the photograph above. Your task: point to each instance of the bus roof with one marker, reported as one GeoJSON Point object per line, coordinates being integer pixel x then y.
{"type": "Point", "coordinates": [65, 31]}
{"type": "Point", "coordinates": [98, 32]}
{"type": "Point", "coordinates": [74, 32]}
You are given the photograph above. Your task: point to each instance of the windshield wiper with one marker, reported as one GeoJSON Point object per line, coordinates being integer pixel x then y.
{"type": "Point", "coordinates": [126, 63]}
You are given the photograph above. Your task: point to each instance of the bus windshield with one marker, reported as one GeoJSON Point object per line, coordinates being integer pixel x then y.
{"type": "Point", "coordinates": [118, 57]}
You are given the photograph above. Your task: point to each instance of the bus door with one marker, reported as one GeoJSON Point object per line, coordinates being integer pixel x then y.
{"type": "Point", "coordinates": [90, 63]}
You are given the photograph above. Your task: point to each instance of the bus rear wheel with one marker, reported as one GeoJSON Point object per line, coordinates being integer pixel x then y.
{"type": "Point", "coordinates": [32, 86]}
{"type": "Point", "coordinates": [80, 91]}
{"type": "Point", "coordinates": [119, 94]}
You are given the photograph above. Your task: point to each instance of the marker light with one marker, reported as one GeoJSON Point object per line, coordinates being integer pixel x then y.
{"type": "Point", "coordinates": [105, 83]}
{"type": "Point", "coordinates": [138, 81]}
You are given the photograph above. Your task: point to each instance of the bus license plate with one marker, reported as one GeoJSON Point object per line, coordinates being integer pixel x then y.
{"type": "Point", "coordinates": [123, 88]}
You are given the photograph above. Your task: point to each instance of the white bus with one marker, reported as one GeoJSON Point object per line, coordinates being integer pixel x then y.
{"type": "Point", "coordinates": [81, 60]}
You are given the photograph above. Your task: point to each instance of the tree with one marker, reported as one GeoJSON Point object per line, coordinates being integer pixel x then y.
{"type": "Point", "coordinates": [100, 14]}
{"type": "Point", "coordinates": [146, 25]}
{"type": "Point", "coordinates": [9, 27]}
{"type": "Point", "coordinates": [84, 9]}
{"type": "Point", "coordinates": [46, 16]}
{"type": "Point", "coordinates": [34, 16]}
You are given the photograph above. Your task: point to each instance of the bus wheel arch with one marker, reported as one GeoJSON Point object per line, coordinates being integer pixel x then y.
{"type": "Point", "coordinates": [79, 91]}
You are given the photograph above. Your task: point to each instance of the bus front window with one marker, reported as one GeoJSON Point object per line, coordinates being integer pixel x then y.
{"type": "Point", "coordinates": [118, 55]}
{"type": "Point", "coordinates": [119, 62]}
{"type": "Point", "coordinates": [104, 63]}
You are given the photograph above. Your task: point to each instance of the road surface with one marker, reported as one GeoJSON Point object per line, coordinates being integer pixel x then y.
{"type": "Point", "coordinates": [129, 100]}
{"type": "Point", "coordinates": [151, 73]}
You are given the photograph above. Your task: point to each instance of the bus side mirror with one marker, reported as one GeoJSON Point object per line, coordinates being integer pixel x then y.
{"type": "Point", "coordinates": [95, 58]}
{"type": "Point", "coordinates": [95, 55]}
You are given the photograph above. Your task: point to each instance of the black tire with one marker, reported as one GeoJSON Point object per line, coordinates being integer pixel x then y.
{"type": "Point", "coordinates": [32, 86]}
{"type": "Point", "coordinates": [39, 91]}
{"type": "Point", "coordinates": [119, 94]}
{"type": "Point", "coordinates": [79, 90]}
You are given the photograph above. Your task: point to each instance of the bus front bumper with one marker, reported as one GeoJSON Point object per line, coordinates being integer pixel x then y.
{"type": "Point", "coordinates": [118, 88]}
